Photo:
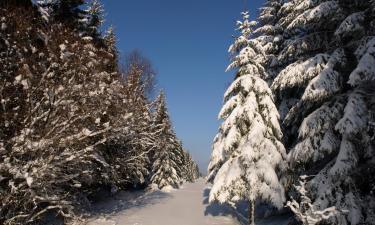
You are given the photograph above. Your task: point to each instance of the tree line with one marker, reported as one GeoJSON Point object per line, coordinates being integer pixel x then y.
{"type": "Point", "coordinates": [298, 119]}
{"type": "Point", "coordinates": [73, 122]}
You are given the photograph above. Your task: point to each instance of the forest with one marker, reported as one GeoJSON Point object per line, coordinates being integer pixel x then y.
{"type": "Point", "coordinates": [80, 121]}
{"type": "Point", "coordinates": [75, 122]}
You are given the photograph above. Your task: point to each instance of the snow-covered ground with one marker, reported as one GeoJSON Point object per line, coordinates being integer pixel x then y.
{"type": "Point", "coordinates": [186, 206]}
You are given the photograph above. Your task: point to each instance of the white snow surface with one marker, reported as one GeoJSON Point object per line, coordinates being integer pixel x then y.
{"type": "Point", "coordinates": [185, 206]}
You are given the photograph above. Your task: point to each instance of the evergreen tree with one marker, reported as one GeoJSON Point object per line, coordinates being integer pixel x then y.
{"type": "Point", "coordinates": [166, 168]}
{"type": "Point", "coordinates": [269, 36]}
{"type": "Point", "coordinates": [191, 171]}
{"type": "Point", "coordinates": [142, 141]}
{"type": "Point", "coordinates": [247, 151]}
{"type": "Point", "coordinates": [327, 60]}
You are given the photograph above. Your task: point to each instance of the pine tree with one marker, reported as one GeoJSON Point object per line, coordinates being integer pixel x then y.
{"type": "Point", "coordinates": [322, 91]}
{"type": "Point", "coordinates": [142, 141]}
{"type": "Point", "coordinates": [247, 152]}
{"type": "Point", "coordinates": [70, 125]}
{"type": "Point", "coordinates": [190, 171]}
{"type": "Point", "coordinates": [269, 36]}
{"type": "Point", "coordinates": [166, 159]}
{"type": "Point", "coordinates": [58, 102]}
{"type": "Point", "coordinates": [229, 135]}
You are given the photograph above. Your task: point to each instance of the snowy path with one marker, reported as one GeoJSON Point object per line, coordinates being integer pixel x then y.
{"type": "Point", "coordinates": [186, 206]}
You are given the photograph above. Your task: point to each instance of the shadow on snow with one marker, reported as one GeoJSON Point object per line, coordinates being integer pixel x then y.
{"type": "Point", "coordinates": [217, 209]}
{"type": "Point", "coordinates": [127, 200]}
{"type": "Point", "coordinates": [261, 218]}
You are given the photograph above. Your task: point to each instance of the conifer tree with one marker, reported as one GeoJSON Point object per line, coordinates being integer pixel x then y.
{"type": "Point", "coordinates": [70, 125]}
{"type": "Point", "coordinates": [323, 89]}
{"type": "Point", "coordinates": [247, 152]}
{"type": "Point", "coordinates": [166, 169]}
{"type": "Point", "coordinates": [268, 36]}
{"type": "Point", "coordinates": [142, 142]}
{"type": "Point", "coordinates": [191, 171]}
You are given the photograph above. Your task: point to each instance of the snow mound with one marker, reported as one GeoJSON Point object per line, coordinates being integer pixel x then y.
{"type": "Point", "coordinates": [167, 189]}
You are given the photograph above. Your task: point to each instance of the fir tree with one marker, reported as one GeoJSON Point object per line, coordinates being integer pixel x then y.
{"type": "Point", "coordinates": [166, 160]}
{"type": "Point", "coordinates": [247, 151]}
{"type": "Point", "coordinates": [322, 91]}
{"type": "Point", "coordinates": [269, 36]}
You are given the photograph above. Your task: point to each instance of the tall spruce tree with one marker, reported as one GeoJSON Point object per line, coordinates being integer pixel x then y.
{"type": "Point", "coordinates": [247, 152]}
{"type": "Point", "coordinates": [142, 140]}
{"type": "Point", "coordinates": [166, 168]}
{"type": "Point", "coordinates": [325, 90]}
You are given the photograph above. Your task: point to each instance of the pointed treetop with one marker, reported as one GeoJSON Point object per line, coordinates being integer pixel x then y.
{"type": "Point", "coordinates": [95, 10]}
{"type": "Point", "coordinates": [110, 38]}
{"type": "Point", "coordinates": [161, 97]}
{"type": "Point", "coordinates": [246, 29]}
{"type": "Point", "coordinates": [161, 111]}
{"type": "Point", "coordinates": [246, 26]}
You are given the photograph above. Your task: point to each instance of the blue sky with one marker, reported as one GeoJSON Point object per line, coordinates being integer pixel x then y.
{"type": "Point", "coordinates": [187, 42]}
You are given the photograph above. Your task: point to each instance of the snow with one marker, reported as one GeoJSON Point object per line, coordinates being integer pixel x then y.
{"type": "Point", "coordinates": [355, 117]}
{"type": "Point", "coordinates": [316, 135]}
{"type": "Point", "coordinates": [352, 24]}
{"type": "Point", "coordinates": [346, 159]}
{"type": "Point", "coordinates": [324, 10]}
{"type": "Point", "coordinates": [305, 211]}
{"type": "Point", "coordinates": [168, 189]}
{"type": "Point", "coordinates": [186, 206]}
{"type": "Point", "coordinates": [365, 70]}
{"type": "Point", "coordinates": [3, 26]}
{"type": "Point", "coordinates": [299, 73]}
{"type": "Point", "coordinates": [327, 82]}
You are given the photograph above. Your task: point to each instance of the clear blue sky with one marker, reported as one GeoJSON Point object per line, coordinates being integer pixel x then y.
{"type": "Point", "coordinates": [187, 42]}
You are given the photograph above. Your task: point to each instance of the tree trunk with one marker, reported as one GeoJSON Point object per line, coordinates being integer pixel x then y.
{"type": "Point", "coordinates": [251, 212]}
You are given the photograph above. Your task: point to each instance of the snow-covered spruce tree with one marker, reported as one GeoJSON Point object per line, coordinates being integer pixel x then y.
{"type": "Point", "coordinates": [324, 91]}
{"type": "Point", "coordinates": [165, 168]}
{"type": "Point", "coordinates": [55, 138]}
{"type": "Point", "coordinates": [63, 106]}
{"type": "Point", "coordinates": [190, 168]}
{"type": "Point", "coordinates": [268, 36]}
{"type": "Point", "coordinates": [228, 137]}
{"type": "Point", "coordinates": [247, 152]}
{"type": "Point", "coordinates": [143, 137]}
